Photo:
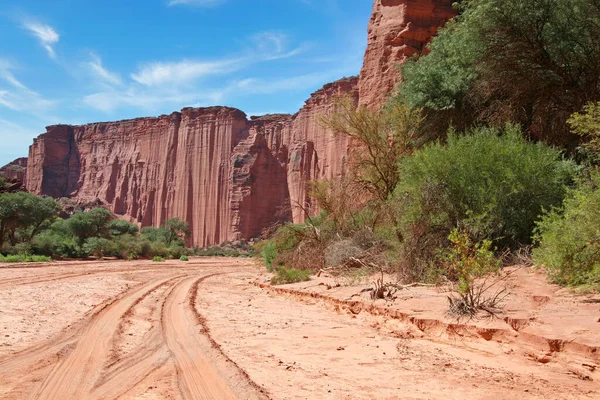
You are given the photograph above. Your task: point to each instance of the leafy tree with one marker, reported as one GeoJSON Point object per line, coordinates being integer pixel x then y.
{"type": "Point", "coordinates": [93, 223]}
{"type": "Point", "coordinates": [99, 247]}
{"type": "Point", "coordinates": [118, 227]}
{"type": "Point", "coordinates": [587, 125]}
{"type": "Point", "coordinates": [25, 212]}
{"type": "Point", "coordinates": [154, 234]}
{"type": "Point", "coordinates": [176, 231]}
{"type": "Point", "coordinates": [38, 213]}
{"type": "Point", "coordinates": [382, 137]}
{"type": "Point", "coordinates": [534, 62]}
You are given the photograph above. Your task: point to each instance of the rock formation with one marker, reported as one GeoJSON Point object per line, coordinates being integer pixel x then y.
{"type": "Point", "coordinates": [228, 176]}
{"type": "Point", "coordinates": [398, 29]}
{"type": "Point", "coordinates": [15, 171]}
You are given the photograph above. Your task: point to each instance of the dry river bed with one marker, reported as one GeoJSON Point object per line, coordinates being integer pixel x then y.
{"type": "Point", "coordinates": [206, 330]}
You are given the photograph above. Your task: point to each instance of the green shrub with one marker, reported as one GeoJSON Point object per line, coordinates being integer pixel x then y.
{"type": "Point", "coordinates": [269, 252]}
{"type": "Point", "coordinates": [285, 275]}
{"type": "Point", "coordinates": [184, 258]}
{"type": "Point", "coordinates": [158, 259]}
{"type": "Point", "coordinates": [469, 261]}
{"type": "Point", "coordinates": [159, 249]}
{"type": "Point", "coordinates": [175, 252]}
{"type": "Point", "coordinates": [491, 182]}
{"type": "Point", "coordinates": [17, 258]}
{"type": "Point", "coordinates": [569, 238]}
{"type": "Point", "coordinates": [100, 247]}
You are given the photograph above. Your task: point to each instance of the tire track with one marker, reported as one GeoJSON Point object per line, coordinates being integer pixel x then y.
{"type": "Point", "coordinates": [74, 376]}
{"type": "Point", "coordinates": [197, 377]}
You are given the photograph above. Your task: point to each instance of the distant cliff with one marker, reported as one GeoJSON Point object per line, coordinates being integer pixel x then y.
{"type": "Point", "coordinates": [228, 176]}
{"type": "Point", "coordinates": [15, 171]}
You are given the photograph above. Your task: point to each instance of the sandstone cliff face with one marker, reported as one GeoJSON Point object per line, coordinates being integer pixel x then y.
{"type": "Point", "coordinates": [15, 171]}
{"type": "Point", "coordinates": [227, 176]}
{"type": "Point", "coordinates": [398, 29]}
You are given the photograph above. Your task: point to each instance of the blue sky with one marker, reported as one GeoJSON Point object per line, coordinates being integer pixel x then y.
{"type": "Point", "coordinates": [80, 61]}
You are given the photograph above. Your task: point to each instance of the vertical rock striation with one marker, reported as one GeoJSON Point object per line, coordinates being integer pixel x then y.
{"type": "Point", "coordinates": [227, 176]}
{"type": "Point", "coordinates": [398, 29]}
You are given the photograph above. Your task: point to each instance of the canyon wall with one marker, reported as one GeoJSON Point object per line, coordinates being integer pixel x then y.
{"type": "Point", "coordinates": [228, 176]}
{"type": "Point", "coordinates": [398, 30]}
{"type": "Point", "coordinates": [15, 171]}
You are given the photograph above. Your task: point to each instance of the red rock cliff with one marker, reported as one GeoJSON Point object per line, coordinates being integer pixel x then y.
{"type": "Point", "coordinates": [227, 176]}
{"type": "Point", "coordinates": [398, 29]}
{"type": "Point", "coordinates": [15, 171]}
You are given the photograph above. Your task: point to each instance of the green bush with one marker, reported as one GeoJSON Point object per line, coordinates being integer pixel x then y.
{"type": "Point", "coordinates": [269, 252]}
{"type": "Point", "coordinates": [17, 258]}
{"type": "Point", "coordinates": [184, 258]}
{"type": "Point", "coordinates": [569, 237]}
{"type": "Point", "coordinates": [100, 247]}
{"type": "Point", "coordinates": [285, 275]}
{"type": "Point", "coordinates": [491, 182]}
{"type": "Point", "coordinates": [175, 252]}
{"type": "Point", "coordinates": [158, 259]}
{"type": "Point", "coordinates": [468, 261]}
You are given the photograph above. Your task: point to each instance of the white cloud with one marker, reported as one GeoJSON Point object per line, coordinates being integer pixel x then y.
{"type": "Point", "coordinates": [265, 46]}
{"type": "Point", "coordinates": [19, 97]}
{"type": "Point", "coordinates": [46, 34]}
{"type": "Point", "coordinates": [150, 100]}
{"type": "Point", "coordinates": [96, 67]}
{"type": "Point", "coordinates": [197, 3]}
{"type": "Point", "coordinates": [159, 73]}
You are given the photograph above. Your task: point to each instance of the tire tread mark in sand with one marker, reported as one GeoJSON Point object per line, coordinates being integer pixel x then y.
{"type": "Point", "coordinates": [201, 320]}
{"type": "Point", "coordinates": [197, 379]}
{"type": "Point", "coordinates": [124, 378]}
{"type": "Point", "coordinates": [73, 376]}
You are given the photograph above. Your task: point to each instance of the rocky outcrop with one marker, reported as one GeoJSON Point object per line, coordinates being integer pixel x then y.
{"type": "Point", "coordinates": [228, 176]}
{"type": "Point", "coordinates": [15, 171]}
{"type": "Point", "coordinates": [398, 30]}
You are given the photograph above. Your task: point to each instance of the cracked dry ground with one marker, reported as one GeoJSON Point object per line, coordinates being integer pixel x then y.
{"type": "Point", "coordinates": [201, 330]}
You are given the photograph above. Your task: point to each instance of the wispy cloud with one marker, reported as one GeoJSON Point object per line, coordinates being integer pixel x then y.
{"type": "Point", "coordinates": [98, 70]}
{"type": "Point", "coordinates": [46, 35]}
{"type": "Point", "coordinates": [17, 96]}
{"type": "Point", "coordinates": [264, 46]}
{"type": "Point", "coordinates": [196, 3]}
{"type": "Point", "coordinates": [186, 71]}
{"type": "Point", "coordinates": [150, 100]}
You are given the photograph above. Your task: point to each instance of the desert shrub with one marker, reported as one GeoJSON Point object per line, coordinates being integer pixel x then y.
{"type": "Point", "coordinates": [269, 252]}
{"type": "Point", "coordinates": [340, 251]}
{"type": "Point", "coordinates": [153, 234]}
{"type": "Point", "coordinates": [15, 258]}
{"type": "Point", "coordinates": [130, 244]}
{"type": "Point", "coordinates": [176, 252]}
{"type": "Point", "coordinates": [100, 247]}
{"type": "Point", "coordinates": [159, 249]}
{"type": "Point", "coordinates": [382, 138]}
{"type": "Point", "coordinates": [158, 259]}
{"type": "Point", "coordinates": [568, 238]}
{"type": "Point", "coordinates": [285, 275]}
{"type": "Point", "coordinates": [491, 182]}
{"type": "Point", "coordinates": [58, 240]}
{"type": "Point", "coordinates": [470, 261]}
{"type": "Point", "coordinates": [184, 258]}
